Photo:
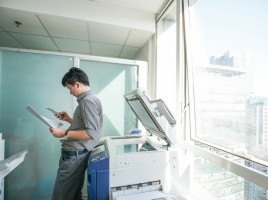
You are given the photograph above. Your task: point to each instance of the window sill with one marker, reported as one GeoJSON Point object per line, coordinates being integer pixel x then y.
{"type": "Point", "coordinates": [229, 163]}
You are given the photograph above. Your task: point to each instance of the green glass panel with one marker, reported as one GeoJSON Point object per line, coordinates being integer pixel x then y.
{"type": "Point", "coordinates": [35, 79]}
{"type": "Point", "coordinates": [110, 81]}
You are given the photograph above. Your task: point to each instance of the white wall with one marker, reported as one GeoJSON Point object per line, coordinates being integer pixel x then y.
{"type": "Point", "coordinates": [148, 53]}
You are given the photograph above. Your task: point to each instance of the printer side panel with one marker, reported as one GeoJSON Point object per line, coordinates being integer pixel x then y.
{"type": "Point", "coordinates": [98, 174]}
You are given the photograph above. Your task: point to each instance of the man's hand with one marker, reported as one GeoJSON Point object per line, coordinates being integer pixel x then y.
{"type": "Point", "coordinates": [64, 116]}
{"type": "Point", "coordinates": [57, 132]}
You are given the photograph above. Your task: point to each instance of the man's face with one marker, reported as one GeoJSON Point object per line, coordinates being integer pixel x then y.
{"type": "Point", "coordinates": [74, 89]}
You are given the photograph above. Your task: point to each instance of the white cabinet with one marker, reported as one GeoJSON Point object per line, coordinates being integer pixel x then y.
{"type": "Point", "coordinates": [7, 165]}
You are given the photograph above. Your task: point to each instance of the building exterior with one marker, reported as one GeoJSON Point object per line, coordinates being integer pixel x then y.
{"type": "Point", "coordinates": [257, 142]}
{"type": "Point", "coordinates": [220, 183]}
{"type": "Point", "coordinates": [220, 107]}
{"type": "Point", "coordinates": [253, 191]}
{"type": "Point", "coordinates": [220, 99]}
{"type": "Point", "coordinates": [257, 123]}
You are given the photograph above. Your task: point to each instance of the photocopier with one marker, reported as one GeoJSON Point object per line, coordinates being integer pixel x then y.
{"type": "Point", "coordinates": [136, 166]}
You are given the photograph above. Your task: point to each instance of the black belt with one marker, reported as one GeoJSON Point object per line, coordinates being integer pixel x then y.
{"type": "Point", "coordinates": [74, 153]}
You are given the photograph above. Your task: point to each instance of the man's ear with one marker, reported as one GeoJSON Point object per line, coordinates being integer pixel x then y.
{"type": "Point", "coordinates": [77, 84]}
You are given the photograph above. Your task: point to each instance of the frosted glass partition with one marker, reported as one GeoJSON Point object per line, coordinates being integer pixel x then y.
{"type": "Point", "coordinates": [35, 79]}
{"type": "Point", "coordinates": [110, 81]}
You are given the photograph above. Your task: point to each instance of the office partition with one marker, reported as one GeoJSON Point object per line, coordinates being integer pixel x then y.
{"type": "Point", "coordinates": [35, 78]}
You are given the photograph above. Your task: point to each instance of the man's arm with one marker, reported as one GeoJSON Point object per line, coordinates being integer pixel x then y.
{"type": "Point", "coordinates": [76, 135]}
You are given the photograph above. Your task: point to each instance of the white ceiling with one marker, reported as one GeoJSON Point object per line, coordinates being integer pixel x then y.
{"type": "Point", "coordinates": [111, 28]}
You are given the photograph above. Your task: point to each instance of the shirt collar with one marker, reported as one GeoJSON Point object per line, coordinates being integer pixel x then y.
{"type": "Point", "coordinates": [82, 96]}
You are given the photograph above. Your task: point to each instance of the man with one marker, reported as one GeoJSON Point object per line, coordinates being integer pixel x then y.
{"type": "Point", "coordinates": [82, 136]}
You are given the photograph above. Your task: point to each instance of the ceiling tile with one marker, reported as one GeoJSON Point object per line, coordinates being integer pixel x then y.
{"type": "Point", "coordinates": [138, 38]}
{"type": "Point", "coordinates": [129, 52]}
{"type": "Point", "coordinates": [65, 27]}
{"type": "Point", "coordinates": [106, 33]}
{"type": "Point", "coordinates": [29, 22]}
{"type": "Point", "coordinates": [74, 35]}
{"type": "Point", "coordinates": [35, 42]}
{"type": "Point", "coordinates": [7, 41]}
{"type": "Point", "coordinates": [76, 46]}
{"type": "Point", "coordinates": [105, 49]}
{"type": "Point", "coordinates": [152, 6]}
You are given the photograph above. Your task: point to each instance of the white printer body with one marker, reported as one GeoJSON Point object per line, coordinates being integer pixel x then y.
{"type": "Point", "coordinates": [138, 164]}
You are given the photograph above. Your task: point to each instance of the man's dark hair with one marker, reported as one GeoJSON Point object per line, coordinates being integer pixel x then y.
{"type": "Point", "coordinates": [75, 75]}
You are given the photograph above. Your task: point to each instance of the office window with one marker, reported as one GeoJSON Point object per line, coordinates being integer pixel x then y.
{"type": "Point", "coordinates": [228, 62]}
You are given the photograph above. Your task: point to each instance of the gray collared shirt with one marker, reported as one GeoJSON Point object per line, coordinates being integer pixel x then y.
{"type": "Point", "coordinates": [88, 116]}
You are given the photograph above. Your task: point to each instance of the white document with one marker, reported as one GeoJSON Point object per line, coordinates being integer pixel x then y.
{"type": "Point", "coordinates": [48, 122]}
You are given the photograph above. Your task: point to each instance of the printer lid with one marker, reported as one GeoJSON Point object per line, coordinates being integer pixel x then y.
{"type": "Point", "coordinates": [149, 113]}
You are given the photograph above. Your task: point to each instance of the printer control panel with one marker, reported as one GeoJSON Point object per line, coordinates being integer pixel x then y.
{"type": "Point", "coordinates": [98, 153]}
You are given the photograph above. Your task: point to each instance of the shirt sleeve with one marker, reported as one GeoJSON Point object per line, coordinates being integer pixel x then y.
{"type": "Point", "coordinates": [91, 117]}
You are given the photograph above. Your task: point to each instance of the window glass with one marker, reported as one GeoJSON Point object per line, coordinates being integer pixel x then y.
{"type": "Point", "coordinates": [228, 46]}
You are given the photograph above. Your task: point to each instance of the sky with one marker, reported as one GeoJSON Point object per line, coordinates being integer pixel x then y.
{"type": "Point", "coordinates": [234, 25]}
